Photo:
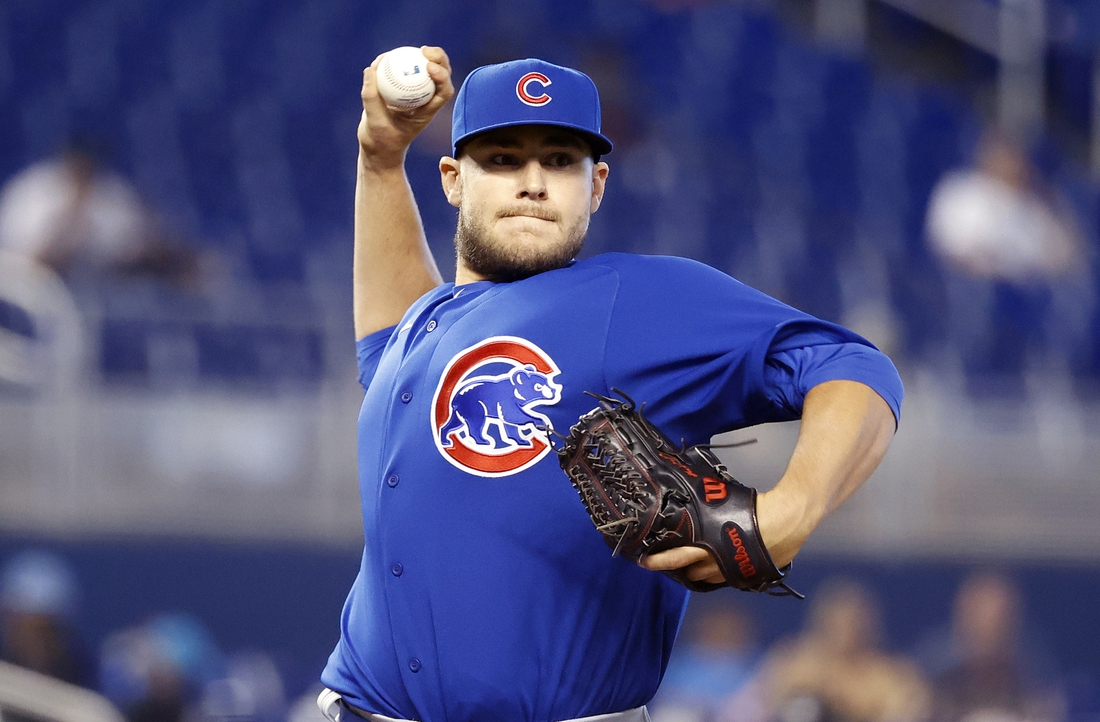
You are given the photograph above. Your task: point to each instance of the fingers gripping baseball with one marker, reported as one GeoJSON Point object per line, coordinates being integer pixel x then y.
{"type": "Point", "coordinates": [385, 133]}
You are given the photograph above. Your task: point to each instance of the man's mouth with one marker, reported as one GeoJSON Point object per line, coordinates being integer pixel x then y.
{"type": "Point", "coordinates": [536, 213]}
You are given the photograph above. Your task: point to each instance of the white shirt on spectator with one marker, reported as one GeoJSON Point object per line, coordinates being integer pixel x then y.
{"type": "Point", "coordinates": [43, 202]}
{"type": "Point", "coordinates": [995, 230]}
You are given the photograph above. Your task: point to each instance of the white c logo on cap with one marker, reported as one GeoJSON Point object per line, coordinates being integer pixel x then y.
{"type": "Point", "coordinates": [526, 97]}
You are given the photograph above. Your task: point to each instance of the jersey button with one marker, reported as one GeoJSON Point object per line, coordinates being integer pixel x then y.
{"type": "Point", "coordinates": [406, 397]}
{"type": "Point", "coordinates": [393, 480]}
{"type": "Point", "coordinates": [397, 570]}
{"type": "Point", "coordinates": [414, 664]}
{"type": "Point", "coordinates": [431, 325]}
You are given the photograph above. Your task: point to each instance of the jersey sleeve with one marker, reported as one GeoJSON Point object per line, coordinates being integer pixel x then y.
{"type": "Point", "coordinates": [368, 352]}
{"type": "Point", "coordinates": [710, 354]}
{"type": "Point", "coordinates": [804, 360]}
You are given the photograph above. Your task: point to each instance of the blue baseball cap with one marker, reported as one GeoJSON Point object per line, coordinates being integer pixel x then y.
{"type": "Point", "coordinates": [527, 92]}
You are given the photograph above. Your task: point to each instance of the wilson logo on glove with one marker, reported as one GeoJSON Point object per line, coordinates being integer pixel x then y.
{"type": "Point", "coordinates": [744, 563]}
{"type": "Point", "coordinates": [714, 490]}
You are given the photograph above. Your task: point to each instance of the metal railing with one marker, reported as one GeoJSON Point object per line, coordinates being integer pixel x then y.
{"type": "Point", "coordinates": [28, 695]}
{"type": "Point", "coordinates": [81, 458]}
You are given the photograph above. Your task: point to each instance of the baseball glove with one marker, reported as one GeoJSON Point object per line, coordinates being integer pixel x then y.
{"type": "Point", "coordinates": [646, 495]}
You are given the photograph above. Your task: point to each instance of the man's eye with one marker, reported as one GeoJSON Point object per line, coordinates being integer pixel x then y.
{"type": "Point", "coordinates": [560, 160]}
{"type": "Point", "coordinates": [503, 160]}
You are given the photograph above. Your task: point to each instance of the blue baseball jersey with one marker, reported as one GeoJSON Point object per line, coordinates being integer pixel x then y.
{"type": "Point", "coordinates": [485, 593]}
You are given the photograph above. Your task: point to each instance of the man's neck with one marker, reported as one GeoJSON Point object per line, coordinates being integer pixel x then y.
{"type": "Point", "coordinates": [464, 275]}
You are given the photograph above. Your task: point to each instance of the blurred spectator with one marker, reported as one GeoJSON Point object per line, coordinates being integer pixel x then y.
{"type": "Point", "coordinates": [156, 672]}
{"type": "Point", "coordinates": [1005, 241]}
{"type": "Point", "coordinates": [995, 222]}
{"type": "Point", "coordinates": [76, 216]}
{"type": "Point", "coordinates": [715, 658]}
{"type": "Point", "coordinates": [836, 671]}
{"type": "Point", "coordinates": [980, 667]}
{"type": "Point", "coordinates": [38, 603]}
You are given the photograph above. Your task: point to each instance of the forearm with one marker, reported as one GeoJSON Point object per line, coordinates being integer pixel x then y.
{"type": "Point", "coordinates": [846, 429]}
{"type": "Point", "coordinates": [393, 265]}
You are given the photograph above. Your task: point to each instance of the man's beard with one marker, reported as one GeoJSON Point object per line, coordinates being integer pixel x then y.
{"type": "Point", "coordinates": [496, 261]}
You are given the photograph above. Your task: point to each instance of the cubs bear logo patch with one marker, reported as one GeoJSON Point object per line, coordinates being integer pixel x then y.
{"type": "Point", "coordinates": [485, 413]}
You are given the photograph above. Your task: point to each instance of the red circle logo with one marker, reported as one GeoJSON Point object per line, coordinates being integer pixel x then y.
{"type": "Point", "coordinates": [525, 95]}
{"type": "Point", "coordinates": [485, 417]}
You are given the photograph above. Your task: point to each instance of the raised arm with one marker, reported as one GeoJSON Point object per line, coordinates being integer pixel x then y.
{"type": "Point", "coordinates": [846, 429]}
{"type": "Point", "coordinates": [392, 265]}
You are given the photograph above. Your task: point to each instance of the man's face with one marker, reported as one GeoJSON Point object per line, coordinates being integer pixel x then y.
{"type": "Point", "coordinates": [525, 195]}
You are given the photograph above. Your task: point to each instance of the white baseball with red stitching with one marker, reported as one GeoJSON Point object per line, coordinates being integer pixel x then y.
{"type": "Point", "coordinates": [403, 80]}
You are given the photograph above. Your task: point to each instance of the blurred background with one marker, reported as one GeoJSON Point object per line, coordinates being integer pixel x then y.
{"type": "Point", "coordinates": [178, 503]}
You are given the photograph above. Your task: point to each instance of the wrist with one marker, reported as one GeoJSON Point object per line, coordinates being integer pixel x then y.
{"type": "Point", "coordinates": [378, 162]}
{"type": "Point", "coordinates": [784, 522]}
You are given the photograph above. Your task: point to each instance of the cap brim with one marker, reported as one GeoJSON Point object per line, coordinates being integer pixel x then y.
{"type": "Point", "coordinates": [600, 144]}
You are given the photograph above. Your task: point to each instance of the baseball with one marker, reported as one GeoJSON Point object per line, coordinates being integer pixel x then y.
{"type": "Point", "coordinates": [403, 80]}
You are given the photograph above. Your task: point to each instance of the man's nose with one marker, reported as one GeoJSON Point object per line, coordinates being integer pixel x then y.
{"type": "Point", "coordinates": [532, 181]}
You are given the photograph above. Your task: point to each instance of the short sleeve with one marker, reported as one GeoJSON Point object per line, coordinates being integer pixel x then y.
{"type": "Point", "coordinates": [706, 352]}
{"type": "Point", "coordinates": [805, 361]}
{"type": "Point", "coordinates": [368, 352]}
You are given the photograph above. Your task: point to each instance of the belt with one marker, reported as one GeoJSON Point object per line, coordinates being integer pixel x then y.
{"type": "Point", "coordinates": [333, 707]}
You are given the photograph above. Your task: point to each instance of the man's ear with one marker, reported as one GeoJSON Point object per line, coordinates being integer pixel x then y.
{"type": "Point", "coordinates": [450, 178]}
{"type": "Point", "coordinates": [599, 183]}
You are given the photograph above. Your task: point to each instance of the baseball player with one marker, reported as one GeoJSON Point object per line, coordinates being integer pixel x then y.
{"type": "Point", "coordinates": [484, 592]}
